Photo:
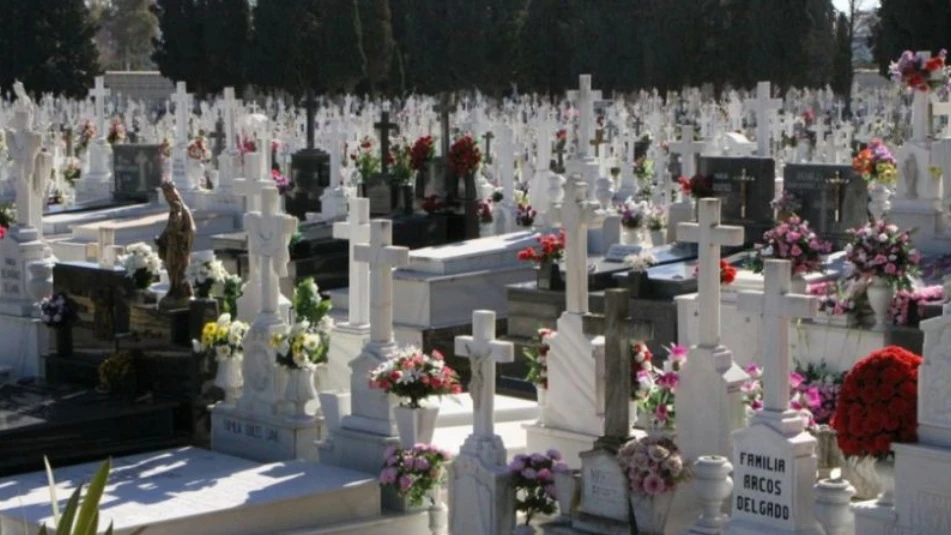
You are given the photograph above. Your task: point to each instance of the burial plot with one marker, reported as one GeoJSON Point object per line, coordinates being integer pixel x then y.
{"type": "Point", "coordinates": [137, 170]}
{"type": "Point", "coordinates": [746, 187]}
{"type": "Point", "coordinates": [832, 198]}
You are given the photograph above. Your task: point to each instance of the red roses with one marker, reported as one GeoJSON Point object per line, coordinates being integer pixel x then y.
{"type": "Point", "coordinates": [550, 249]}
{"type": "Point", "coordinates": [464, 156]}
{"type": "Point", "coordinates": [422, 152]}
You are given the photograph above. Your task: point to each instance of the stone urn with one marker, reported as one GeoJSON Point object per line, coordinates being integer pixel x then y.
{"type": "Point", "coordinates": [300, 393]}
{"type": "Point", "coordinates": [832, 506]}
{"type": "Point", "coordinates": [416, 425]}
{"type": "Point", "coordinates": [229, 378]}
{"type": "Point", "coordinates": [879, 200]}
{"type": "Point", "coordinates": [880, 294]}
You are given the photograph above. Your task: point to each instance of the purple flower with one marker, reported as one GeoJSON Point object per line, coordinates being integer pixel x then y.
{"type": "Point", "coordinates": [406, 481]}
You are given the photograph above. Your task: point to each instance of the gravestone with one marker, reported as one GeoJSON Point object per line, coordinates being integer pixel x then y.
{"type": "Point", "coordinates": [379, 188]}
{"type": "Point", "coordinates": [310, 171]}
{"type": "Point", "coordinates": [833, 198]}
{"type": "Point", "coordinates": [137, 170]}
{"type": "Point", "coordinates": [746, 186]}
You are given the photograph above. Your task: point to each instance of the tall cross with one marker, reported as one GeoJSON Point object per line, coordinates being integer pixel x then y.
{"type": "Point", "coordinates": [384, 126]}
{"type": "Point", "coordinates": [575, 214]}
{"type": "Point", "coordinates": [251, 188]}
{"type": "Point", "coordinates": [838, 183]}
{"type": "Point", "coordinates": [99, 94]}
{"type": "Point", "coordinates": [762, 106]}
{"type": "Point", "coordinates": [218, 136]}
{"type": "Point", "coordinates": [269, 232]}
{"type": "Point", "coordinates": [444, 108]}
{"type": "Point", "coordinates": [182, 102]}
{"type": "Point", "coordinates": [484, 350]}
{"type": "Point", "coordinates": [777, 306]}
{"type": "Point", "coordinates": [382, 258]}
{"type": "Point", "coordinates": [688, 149]}
{"type": "Point", "coordinates": [584, 98]}
{"type": "Point", "coordinates": [744, 180]}
{"type": "Point", "coordinates": [710, 235]}
{"type": "Point", "coordinates": [357, 230]}
{"type": "Point", "coordinates": [229, 116]}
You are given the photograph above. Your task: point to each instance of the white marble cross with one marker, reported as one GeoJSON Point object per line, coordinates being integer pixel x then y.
{"type": "Point", "coordinates": [688, 149]}
{"type": "Point", "coordinates": [575, 214]}
{"type": "Point", "coordinates": [357, 230]}
{"type": "Point", "coordinates": [182, 102]}
{"type": "Point", "coordinates": [763, 106]}
{"type": "Point", "coordinates": [269, 232]}
{"type": "Point", "coordinates": [778, 306]}
{"type": "Point", "coordinates": [382, 257]}
{"type": "Point", "coordinates": [584, 98]}
{"type": "Point", "coordinates": [99, 93]}
{"type": "Point", "coordinates": [710, 235]}
{"type": "Point", "coordinates": [484, 351]}
{"type": "Point", "coordinates": [229, 117]}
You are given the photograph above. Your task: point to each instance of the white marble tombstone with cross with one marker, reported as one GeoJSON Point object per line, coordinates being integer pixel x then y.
{"type": "Point", "coordinates": [688, 149]}
{"type": "Point", "coordinates": [480, 496]}
{"type": "Point", "coordinates": [584, 161]}
{"type": "Point", "coordinates": [96, 181]}
{"type": "Point", "coordinates": [764, 108]}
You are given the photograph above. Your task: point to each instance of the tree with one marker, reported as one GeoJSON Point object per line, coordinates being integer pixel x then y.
{"type": "Point", "coordinates": [909, 25]}
{"type": "Point", "coordinates": [378, 45]}
{"type": "Point", "coordinates": [226, 43]}
{"type": "Point", "coordinates": [179, 51]}
{"type": "Point", "coordinates": [549, 46]}
{"type": "Point", "coordinates": [344, 62]}
{"type": "Point", "coordinates": [286, 45]}
{"type": "Point", "coordinates": [131, 27]}
{"type": "Point", "coordinates": [49, 46]}
{"type": "Point", "coordinates": [843, 73]}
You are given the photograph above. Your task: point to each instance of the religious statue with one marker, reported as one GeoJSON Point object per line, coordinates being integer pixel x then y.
{"type": "Point", "coordinates": [174, 248]}
{"type": "Point", "coordinates": [24, 145]}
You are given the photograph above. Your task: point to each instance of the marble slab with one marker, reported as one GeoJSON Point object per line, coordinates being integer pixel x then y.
{"type": "Point", "coordinates": [471, 255]}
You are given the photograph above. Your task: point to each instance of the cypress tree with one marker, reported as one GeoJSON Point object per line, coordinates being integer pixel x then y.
{"type": "Point", "coordinates": [179, 49]}
{"type": "Point", "coordinates": [226, 39]}
{"type": "Point", "coordinates": [344, 63]}
{"type": "Point", "coordinates": [378, 44]}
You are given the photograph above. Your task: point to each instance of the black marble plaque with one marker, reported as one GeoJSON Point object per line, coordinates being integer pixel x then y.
{"type": "Point", "coordinates": [137, 170]}
{"type": "Point", "coordinates": [378, 190]}
{"type": "Point", "coordinates": [310, 175]}
{"type": "Point", "coordinates": [745, 185]}
{"type": "Point", "coordinates": [832, 198]}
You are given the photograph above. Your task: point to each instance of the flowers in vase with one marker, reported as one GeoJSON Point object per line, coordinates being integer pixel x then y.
{"type": "Point", "coordinates": [803, 400]}
{"type": "Point", "coordinates": [653, 466]}
{"type": "Point", "coordinates": [656, 218]}
{"type": "Point", "coordinates": [232, 290]}
{"type": "Point", "coordinates": [87, 133]}
{"type": "Point", "coordinates": [415, 376]}
{"type": "Point", "coordinates": [141, 265]}
{"type": "Point", "coordinates": [878, 404]}
{"type": "Point", "coordinates": [198, 149]}
{"type": "Point", "coordinates": [284, 184]}
{"type": "Point", "coordinates": [302, 346]}
{"type": "Point", "coordinates": [365, 158]}
{"type": "Point", "coordinates": [57, 311]}
{"type": "Point", "coordinates": [697, 186]}
{"type": "Point", "coordinates": [561, 140]}
{"type": "Point", "coordinates": [536, 356]}
{"type": "Point", "coordinates": [464, 156]}
{"type": "Point", "coordinates": [433, 204]}
{"type": "Point", "coordinates": [204, 275]}
{"type": "Point", "coordinates": [8, 216]}
{"type": "Point", "coordinates": [918, 73]}
{"type": "Point", "coordinates": [879, 249]}
{"type": "Point", "coordinates": [414, 472]}
{"type": "Point", "coordinates": [484, 211]}
{"type": "Point", "coordinates": [642, 366]}
{"type": "Point", "coordinates": [525, 215]}
{"type": "Point", "coordinates": [727, 273]}
{"type": "Point", "coordinates": [222, 339]}
{"type": "Point", "coordinates": [400, 158]}
{"type": "Point", "coordinates": [422, 152]}
{"type": "Point", "coordinates": [533, 477]}
{"type": "Point", "coordinates": [551, 248]}
{"type": "Point", "coordinates": [634, 214]}
{"type": "Point", "coordinates": [72, 171]}
{"type": "Point", "coordinates": [827, 383]}
{"type": "Point", "coordinates": [117, 133]}
{"type": "Point", "coordinates": [644, 171]}
{"type": "Point", "coordinates": [791, 240]}
{"type": "Point", "coordinates": [659, 402]}
{"type": "Point", "coordinates": [786, 204]}
{"type": "Point", "coordinates": [834, 298]}
{"type": "Point", "coordinates": [640, 262]}
{"type": "Point", "coordinates": [906, 304]}
{"type": "Point", "coordinates": [876, 164]}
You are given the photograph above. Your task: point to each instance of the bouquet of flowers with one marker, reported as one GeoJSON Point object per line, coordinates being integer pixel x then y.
{"type": "Point", "coordinates": [534, 479]}
{"type": "Point", "coordinates": [633, 214]}
{"type": "Point", "coordinates": [834, 298]}
{"type": "Point", "coordinates": [400, 158]}
{"type": "Point", "coordinates": [72, 171]}
{"type": "Point", "coordinates": [657, 218]}
{"type": "Point", "coordinates": [222, 339]}
{"type": "Point", "coordinates": [697, 186]}
{"type": "Point", "coordinates": [87, 133]}
{"type": "Point", "coordinates": [365, 158]}
{"type": "Point", "coordinates": [642, 372]}
{"type": "Point", "coordinates": [791, 240]}
{"type": "Point", "coordinates": [284, 184]}
{"type": "Point", "coordinates": [727, 273]}
{"type": "Point", "coordinates": [880, 250]}
{"type": "Point", "coordinates": [432, 204]}
{"type": "Point", "coordinates": [233, 289]}
{"type": "Point", "coordinates": [141, 265]}
{"type": "Point", "coordinates": [644, 170]}
{"type": "Point", "coordinates": [117, 133]}
{"type": "Point", "coordinates": [247, 145]}
{"type": "Point", "coordinates": [561, 140]}
{"type": "Point", "coordinates": [464, 156]}
{"type": "Point", "coordinates": [659, 403]}
{"type": "Point", "coordinates": [198, 149]}
{"type": "Point", "coordinates": [302, 346]}
{"type": "Point", "coordinates": [919, 74]}
{"type": "Point", "coordinates": [484, 211]}
{"type": "Point", "coordinates": [415, 376]}
{"type": "Point", "coordinates": [653, 466]}
{"type": "Point", "coordinates": [423, 152]}
{"type": "Point", "coordinates": [308, 304]}
{"type": "Point", "coordinates": [536, 356]}
{"type": "Point", "coordinates": [640, 262]}
{"type": "Point", "coordinates": [876, 164]}
{"type": "Point", "coordinates": [8, 216]}
{"type": "Point", "coordinates": [57, 311]}
{"type": "Point", "coordinates": [827, 383]}
{"type": "Point", "coordinates": [414, 472]}
{"type": "Point", "coordinates": [525, 215]}
{"type": "Point", "coordinates": [204, 275]}
{"type": "Point", "coordinates": [878, 404]}
{"type": "Point", "coordinates": [804, 400]}
{"type": "Point", "coordinates": [786, 205]}
{"type": "Point", "coordinates": [116, 372]}
{"type": "Point", "coordinates": [551, 248]}
{"type": "Point", "coordinates": [905, 307]}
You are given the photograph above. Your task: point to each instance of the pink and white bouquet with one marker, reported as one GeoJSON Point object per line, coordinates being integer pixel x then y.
{"type": "Point", "coordinates": [484, 211]}
{"type": "Point", "coordinates": [198, 149]}
{"type": "Point", "coordinates": [880, 250]}
{"type": "Point", "coordinates": [659, 403]}
{"type": "Point", "coordinates": [414, 376]}
{"type": "Point", "coordinates": [653, 466]}
{"type": "Point", "coordinates": [642, 372]}
{"type": "Point", "coordinates": [117, 133]}
{"type": "Point", "coordinates": [918, 73]}
{"type": "Point", "coordinates": [906, 304]}
{"type": "Point", "coordinates": [634, 214]}
{"type": "Point", "coordinates": [525, 215]}
{"type": "Point", "coordinates": [835, 299]}
{"type": "Point", "coordinates": [827, 383]}
{"type": "Point", "coordinates": [536, 356]}
{"type": "Point", "coordinates": [791, 240]}
{"type": "Point", "coordinates": [283, 183]}
{"type": "Point", "coordinates": [534, 479]}
{"type": "Point", "coordinates": [87, 133]}
{"type": "Point", "coordinates": [72, 170]}
{"type": "Point", "coordinates": [414, 472]}
{"type": "Point", "coordinates": [803, 400]}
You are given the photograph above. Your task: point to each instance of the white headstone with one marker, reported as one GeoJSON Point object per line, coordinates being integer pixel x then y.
{"type": "Point", "coordinates": [688, 149]}
{"type": "Point", "coordinates": [763, 107]}
{"type": "Point", "coordinates": [575, 214]}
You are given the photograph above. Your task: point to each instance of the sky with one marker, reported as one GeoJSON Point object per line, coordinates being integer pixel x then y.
{"type": "Point", "coordinates": [842, 5]}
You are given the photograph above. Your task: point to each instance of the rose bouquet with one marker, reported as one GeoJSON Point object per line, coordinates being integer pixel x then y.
{"type": "Point", "coordinates": [802, 400]}
{"type": "Point", "coordinates": [525, 215]}
{"type": "Point", "coordinates": [791, 240]}
{"type": "Point", "coordinates": [551, 248]}
{"type": "Point", "coordinates": [835, 299]}
{"type": "Point", "coordinates": [727, 273]}
{"type": "Point", "coordinates": [433, 204]}
{"type": "Point", "coordinates": [302, 346]}
{"type": "Point", "coordinates": [415, 376]}
{"type": "Point", "coordinates": [117, 133]}
{"type": "Point", "coordinates": [786, 205]}
{"type": "Point", "coordinates": [222, 339]}
{"type": "Point", "coordinates": [653, 466]}
{"type": "Point", "coordinates": [204, 275]}
{"type": "Point", "coordinates": [642, 372]}
{"type": "Point", "coordinates": [880, 250]}
{"type": "Point", "coordinates": [422, 152]}
{"type": "Point", "coordinates": [87, 132]}
{"type": "Point", "coordinates": [72, 171]}
{"type": "Point", "coordinates": [533, 477]}
{"type": "Point", "coordinates": [876, 164]}
{"type": "Point", "coordinates": [198, 149]}
{"type": "Point", "coordinates": [57, 311]}
{"type": "Point", "coordinates": [827, 383]}
{"type": "Point", "coordinates": [878, 404]}
{"type": "Point", "coordinates": [659, 404]}
{"type": "Point", "coordinates": [368, 163]}
{"type": "Point", "coordinates": [141, 265]}
{"type": "Point", "coordinates": [697, 186]}
{"type": "Point", "coordinates": [536, 356]}
{"type": "Point", "coordinates": [464, 156]}
{"type": "Point", "coordinates": [918, 73]}
{"type": "Point", "coordinates": [414, 472]}
{"type": "Point", "coordinates": [905, 308]}
{"type": "Point", "coordinates": [484, 211]}
{"type": "Point", "coordinates": [634, 214]}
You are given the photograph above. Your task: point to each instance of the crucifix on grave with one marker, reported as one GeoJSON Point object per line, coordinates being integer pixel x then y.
{"type": "Point", "coordinates": [485, 351]}
{"type": "Point", "coordinates": [310, 105]}
{"type": "Point", "coordinates": [575, 214]}
{"type": "Point", "coordinates": [837, 182]}
{"type": "Point", "coordinates": [99, 94]}
{"type": "Point", "coordinates": [743, 180]}
{"type": "Point", "coordinates": [688, 149]}
{"type": "Point", "coordinates": [762, 106]}
{"type": "Point", "coordinates": [218, 137]}
{"type": "Point", "coordinates": [382, 258]}
{"type": "Point", "coordinates": [269, 232]}
{"type": "Point", "coordinates": [357, 231]}
{"type": "Point", "coordinates": [385, 126]}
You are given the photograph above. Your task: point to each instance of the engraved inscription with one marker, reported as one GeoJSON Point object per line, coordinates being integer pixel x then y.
{"type": "Point", "coordinates": [763, 487]}
{"type": "Point", "coordinates": [255, 431]}
{"type": "Point", "coordinates": [10, 277]}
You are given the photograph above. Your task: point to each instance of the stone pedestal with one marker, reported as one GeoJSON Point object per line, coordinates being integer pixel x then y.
{"type": "Point", "coordinates": [346, 344]}
{"type": "Point", "coordinates": [263, 438]}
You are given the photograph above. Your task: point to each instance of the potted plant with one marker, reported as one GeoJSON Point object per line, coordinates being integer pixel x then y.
{"type": "Point", "coordinates": [877, 166]}
{"type": "Point", "coordinates": [633, 221]}
{"type": "Point", "coordinates": [414, 376]}
{"type": "Point", "coordinates": [223, 341]}
{"type": "Point", "coordinates": [657, 225]}
{"type": "Point", "coordinates": [791, 240]}
{"type": "Point", "coordinates": [142, 265]}
{"type": "Point", "coordinates": [484, 211]}
{"type": "Point", "coordinates": [415, 472]}
{"type": "Point", "coordinates": [547, 254]}
{"type": "Point", "coordinates": [536, 357]}
{"type": "Point", "coordinates": [117, 376]}
{"type": "Point", "coordinates": [655, 469]}
{"type": "Point", "coordinates": [533, 477]}
{"type": "Point", "coordinates": [58, 313]}
{"type": "Point", "coordinates": [878, 406]}
{"type": "Point", "coordinates": [365, 159]}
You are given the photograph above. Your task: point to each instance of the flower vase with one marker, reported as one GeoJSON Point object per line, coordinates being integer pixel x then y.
{"type": "Point", "coordinates": [415, 425]}
{"type": "Point", "coordinates": [879, 203]}
{"type": "Point", "coordinates": [885, 468]}
{"type": "Point", "coordinates": [651, 513]}
{"type": "Point", "coordinates": [486, 230]}
{"type": "Point", "coordinates": [659, 237]}
{"type": "Point", "coordinates": [64, 341]}
{"type": "Point", "coordinates": [542, 394]}
{"type": "Point", "coordinates": [862, 474]}
{"type": "Point", "coordinates": [229, 378]}
{"type": "Point", "coordinates": [567, 484]}
{"type": "Point", "coordinates": [524, 529]}
{"type": "Point", "coordinates": [879, 297]}
{"type": "Point", "coordinates": [549, 277]}
{"type": "Point", "coordinates": [299, 392]}
{"type": "Point", "coordinates": [632, 236]}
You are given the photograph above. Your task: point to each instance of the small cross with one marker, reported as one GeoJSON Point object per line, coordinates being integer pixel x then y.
{"type": "Point", "coordinates": [99, 94]}
{"type": "Point", "coordinates": [838, 182]}
{"type": "Point", "coordinates": [743, 179]}
{"type": "Point", "coordinates": [485, 351]}
{"type": "Point", "coordinates": [357, 231]}
{"type": "Point", "coordinates": [575, 215]}
{"type": "Point", "coordinates": [489, 136]}
{"type": "Point", "coordinates": [382, 257]}
{"type": "Point", "coordinates": [384, 126]}
{"type": "Point", "coordinates": [584, 98]}
{"type": "Point", "coordinates": [251, 188]}
{"type": "Point", "coordinates": [688, 149]}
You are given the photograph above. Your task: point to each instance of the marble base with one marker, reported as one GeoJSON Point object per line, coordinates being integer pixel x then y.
{"type": "Point", "coordinates": [26, 340]}
{"type": "Point", "coordinates": [263, 438]}
{"type": "Point", "coordinates": [922, 492]}
{"type": "Point", "coordinates": [925, 216]}
{"type": "Point", "coordinates": [346, 344]}
{"type": "Point", "coordinates": [94, 187]}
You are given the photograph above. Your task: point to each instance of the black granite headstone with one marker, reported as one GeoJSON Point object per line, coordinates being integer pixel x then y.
{"type": "Point", "coordinates": [746, 186]}
{"type": "Point", "coordinates": [832, 198]}
{"type": "Point", "coordinates": [377, 189]}
{"type": "Point", "coordinates": [310, 174]}
{"type": "Point", "coordinates": [137, 170]}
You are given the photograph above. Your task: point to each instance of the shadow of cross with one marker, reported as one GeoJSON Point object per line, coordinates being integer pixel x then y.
{"type": "Point", "coordinates": [613, 366]}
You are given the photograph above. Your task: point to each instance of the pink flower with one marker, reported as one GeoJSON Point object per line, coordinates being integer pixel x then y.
{"type": "Point", "coordinates": [796, 251]}
{"type": "Point", "coordinates": [669, 380]}
{"type": "Point", "coordinates": [795, 380]}
{"type": "Point", "coordinates": [678, 353]}
{"type": "Point", "coordinates": [406, 481]}
{"type": "Point", "coordinates": [544, 474]}
{"type": "Point", "coordinates": [517, 464]}
{"type": "Point", "coordinates": [813, 398]}
{"type": "Point", "coordinates": [891, 269]}
{"type": "Point", "coordinates": [654, 485]}
{"type": "Point", "coordinates": [753, 370]}
{"type": "Point", "coordinates": [756, 405]}
{"type": "Point", "coordinates": [422, 464]}
{"type": "Point", "coordinates": [661, 413]}
{"type": "Point", "coordinates": [793, 237]}
{"type": "Point", "coordinates": [529, 474]}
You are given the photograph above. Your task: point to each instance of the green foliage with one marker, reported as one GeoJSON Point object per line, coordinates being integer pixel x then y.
{"type": "Point", "coordinates": [226, 42]}
{"type": "Point", "coordinates": [130, 26]}
{"type": "Point", "coordinates": [377, 36]}
{"type": "Point", "coordinates": [178, 51]}
{"type": "Point", "coordinates": [909, 25]}
{"type": "Point", "coordinates": [286, 45]}
{"type": "Point", "coordinates": [842, 60]}
{"type": "Point", "coordinates": [344, 61]}
{"type": "Point", "coordinates": [308, 303]}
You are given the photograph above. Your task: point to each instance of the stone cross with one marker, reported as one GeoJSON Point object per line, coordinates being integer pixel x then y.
{"type": "Point", "coordinates": [484, 351]}
{"type": "Point", "coordinates": [575, 214]}
{"type": "Point", "coordinates": [444, 108]}
{"type": "Point", "coordinates": [688, 149]}
{"type": "Point", "coordinates": [218, 136]}
{"type": "Point", "coordinates": [384, 126]}
{"type": "Point", "coordinates": [710, 235]}
{"type": "Point", "coordinates": [99, 93]}
{"type": "Point", "coordinates": [584, 98]}
{"type": "Point", "coordinates": [762, 106]}
{"type": "Point", "coordinates": [357, 230]}
{"type": "Point", "coordinates": [182, 102]}
{"type": "Point", "coordinates": [777, 305]}
{"type": "Point", "coordinates": [597, 142]}
{"type": "Point", "coordinates": [382, 258]}
{"type": "Point", "coordinates": [229, 116]}
{"type": "Point", "coordinates": [251, 188]}
{"type": "Point", "coordinates": [269, 232]}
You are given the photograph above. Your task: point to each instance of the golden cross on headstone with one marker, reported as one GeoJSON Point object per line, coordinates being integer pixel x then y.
{"type": "Point", "coordinates": [743, 179]}
{"type": "Point", "coordinates": [838, 182]}
{"type": "Point", "coordinates": [597, 141]}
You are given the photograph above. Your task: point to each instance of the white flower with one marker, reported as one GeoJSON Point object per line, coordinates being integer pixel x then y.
{"type": "Point", "coordinates": [223, 351]}
{"type": "Point", "coordinates": [311, 342]}
{"type": "Point", "coordinates": [883, 237]}
{"type": "Point", "coordinates": [326, 324]}
{"type": "Point", "coordinates": [767, 251]}
{"type": "Point", "coordinates": [224, 320]}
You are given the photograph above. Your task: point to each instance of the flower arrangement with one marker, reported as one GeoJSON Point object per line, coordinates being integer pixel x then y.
{"type": "Point", "coordinates": [727, 273]}
{"type": "Point", "coordinates": [641, 262]}
{"type": "Point", "coordinates": [634, 214]}
{"type": "Point", "coordinates": [284, 184]}
{"type": "Point", "coordinates": [300, 347]}
{"type": "Point", "coordinates": [57, 311]}
{"type": "Point", "coordinates": [533, 477]}
{"type": "Point", "coordinates": [484, 211]}
{"type": "Point", "coordinates": [828, 385]}
{"type": "Point", "coordinates": [906, 304]}
{"type": "Point", "coordinates": [835, 299]}
{"type": "Point", "coordinates": [414, 472]}
{"type": "Point", "coordinates": [87, 133]}
{"type": "Point", "coordinates": [876, 164]}
{"type": "Point", "coordinates": [422, 152]}
{"type": "Point", "coordinates": [8, 216]}
{"type": "Point", "coordinates": [644, 171]}
{"type": "Point", "coordinates": [415, 376]}
{"type": "Point", "coordinates": [464, 156]}
{"type": "Point", "coordinates": [116, 372]}
{"type": "Point", "coordinates": [141, 265]}
{"type": "Point", "coordinates": [232, 290]}
{"type": "Point", "coordinates": [247, 145]}
{"type": "Point", "coordinates": [204, 275]}
{"type": "Point", "coordinates": [919, 74]}
{"type": "Point", "coordinates": [72, 171]}
{"type": "Point", "coordinates": [561, 140]}
{"type": "Point", "coordinates": [879, 249]}
{"type": "Point", "coordinates": [791, 240]}
{"type": "Point", "coordinates": [525, 215]}
{"type": "Point", "coordinates": [659, 404]}
{"type": "Point", "coordinates": [536, 356]}
{"type": "Point", "coordinates": [117, 133]}
{"type": "Point", "coordinates": [551, 248]}
{"type": "Point", "coordinates": [368, 163]}
{"type": "Point", "coordinates": [433, 204]}
{"type": "Point", "coordinates": [697, 186]}
{"type": "Point", "coordinates": [653, 466]}
{"type": "Point", "coordinates": [198, 149]}
{"type": "Point", "coordinates": [642, 372]}
{"type": "Point", "coordinates": [878, 404]}
{"type": "Point", "coordinates": [786, 204]}
{"type": "Point", "coordinates": [400, 158]}
{"type": "Point", "coordinates": [657, 218]}
{"type": "Point", "coordinates": [802, 399]}
{"type": "Point", "coordinates": [222, 339]}
{"type": "Point", "coordinates": [309, 305]}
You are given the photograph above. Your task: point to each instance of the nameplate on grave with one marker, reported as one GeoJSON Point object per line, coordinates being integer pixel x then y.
{"type": "Point", "coordinates": [137, 170]}
{"type": "Point", "coordinates": [618, 252]}
{"type": "Point", "coordinates": [745, 187]}
{"type": "Point", "coordinates": [604, 492]}
{"type": "Point", "coordinates": [763, 485]}
{"type": "Point", "coordinates": [260, 438]}
{"type": "Point", "coordinates": [832, 198]}
{"type": "Point", "coordinates": [378, 190]}
{"type": "Point", "coordinates": [159, 328]}
{"type": "Point", "coordinates": [100, 296]}
{"type": "Point", "coordinates": [11, 278]}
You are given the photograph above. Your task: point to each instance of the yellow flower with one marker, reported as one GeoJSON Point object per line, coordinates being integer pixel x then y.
{"type": "Point", "coordinates": [208, 331]}
{"type": "Point", "coordinates": [276, 340]}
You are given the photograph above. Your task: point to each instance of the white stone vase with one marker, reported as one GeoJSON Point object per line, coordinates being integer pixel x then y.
{"type": "Point", "coordinates": [862, 474]}
{"type": "Point", "coordinates": [486, 230]}
{"type": "Point", "coordinates": [713, 485]}
{"type": "Point", "coordinates": [299, 392]}
{"type": "Point", "coordinates": [832, 506]}
{"type": "Point", "coordinates": [415, 425]}
{"type": "Point", "coordinates": [230, 379]}
{"type": "Point", "coordinates": [879, 297]}
{"type": "Point", "coordinates": [886, 474]}
{"type": "Point", "coordinates": [658, 237]}
{"type": "Point", "coordinates": [632, 236]}
{"type": "Point", "coordinates": [566, 490]}
{"type": "Point", "coordinates": [879, 203]}
{"type": "Point", "coordinates": [542, 393]}
{"type": "Point", "coordinates": [651, 513]}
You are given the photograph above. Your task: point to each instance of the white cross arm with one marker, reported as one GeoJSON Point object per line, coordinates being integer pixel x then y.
{"type": "Point", "coordinates": [482, 343]}
{"type": "Point", "coordinates": [723, 235]}
{"type": "Point", "coordinates": [391, 256]}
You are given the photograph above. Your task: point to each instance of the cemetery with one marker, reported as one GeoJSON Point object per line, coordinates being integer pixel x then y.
{"type": "Point", "coordinates": [594, 312]}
